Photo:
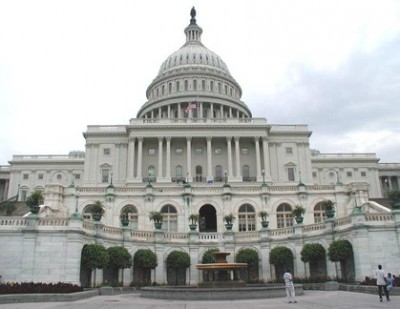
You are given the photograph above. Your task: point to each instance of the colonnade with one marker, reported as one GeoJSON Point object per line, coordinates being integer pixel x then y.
{"type": "Point", "coordinates": [135, 159]}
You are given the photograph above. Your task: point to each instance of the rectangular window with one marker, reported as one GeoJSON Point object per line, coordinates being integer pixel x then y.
{"type": "Point", "coordinates": [363, 174]}
{"type": "Point", "coordinates": [314, 174]}
{"type": "Point", "coordinates": [218, 151]}
{"type": "Point", "coordinates": [245, 151]}
{"type": "Point", "coordinates": [40, 176]}
{"type": "Point", "coordinates": [178, 151]}
{"type": "Point", "coordinates": [106, 151]}
{"type": "Point", "coordinates": [290, 173]}
{"type": "Point", "coordinates": [349, 174]}
{"type": "Point", "coordinates": [152, 151]}
{"type": "Point", "coordinates": [198, 151]}
{"type": "Point", "coordinates": [289, 150]}
{"type": "Point", "coordinates": [25, 176]}
{"type": "Point", "coordinates": [23, 195]}
{"type": "Point", "coordinates": [105, 175]}
{"type": "Point", "coordinates": [77, 176]}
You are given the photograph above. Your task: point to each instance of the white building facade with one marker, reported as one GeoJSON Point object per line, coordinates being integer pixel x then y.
{"type": "Point", "coordinates": [195, 148]}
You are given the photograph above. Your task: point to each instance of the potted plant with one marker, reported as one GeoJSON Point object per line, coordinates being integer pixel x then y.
{"type": "Point", "coordinates": [193, 218]}
{"type": "Point", "coordinates": [157, 217]}
{"type": "Point", "coordinates": [97, 211]}
{"type": "Point", "coordinates": [34, 200]}
{"type": "Point", "coordinates": [298, 212]}
{"type": "Point", "coordinates": [329, 208]}
{"type": "Point", "coordinates": [125, 216]}
{"type": "Point", "coordinates": [229, 221]}
{"type": "Point", "coordinates": [264, 218]}
{"type": "Point", "coordinates": [394, 196]}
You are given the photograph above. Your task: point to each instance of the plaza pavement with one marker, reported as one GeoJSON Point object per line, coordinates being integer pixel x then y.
{"type": "Point", "coordinates": [310, 300]}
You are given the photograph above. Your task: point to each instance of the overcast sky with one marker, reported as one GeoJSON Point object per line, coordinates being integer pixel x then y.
{"type": "Point", "coordinates": [334, 65]}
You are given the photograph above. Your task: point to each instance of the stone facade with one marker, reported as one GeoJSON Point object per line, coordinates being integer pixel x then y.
{"type": "Point", "coordinates": [194, 148]}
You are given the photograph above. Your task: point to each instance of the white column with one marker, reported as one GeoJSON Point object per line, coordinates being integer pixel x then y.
{"type": "Point", "coordinates": [168, 159]}
{"type": "Point", "coordinates": [160, 158]}
{"type": "Point", "coordinates": [189, 158]}
{"type": "Point", "coordinates": [211, 110]}
{"type": "Point", "coordinates": [87, 163]}
{"type": "Point", "coordinates": [229, 147]}
{"type": "Point", "coordinates": [96, 173]}
{"type": "Point", "coordinates": [169, 111]}
{"type": "Point", "coordinates": [139, 161]}
{"type": "Point", "coordinates": [221, 111]}
{"type": "Point", "coordinates": [258, 160]}
{"type": "Point", "coordinates": [267, 167]}
{"type": "Point", "coordinates": [131, 159]}
{"type": "Point", "coordinates": [237, 155]}
{"type": "Point", "coordinates": [209, 160]}
{"type": "Point", "coordinates": [201, 110]}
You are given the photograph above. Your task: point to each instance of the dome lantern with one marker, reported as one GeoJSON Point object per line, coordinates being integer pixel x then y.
{"type": "Point", "coordinates": [193, 31]}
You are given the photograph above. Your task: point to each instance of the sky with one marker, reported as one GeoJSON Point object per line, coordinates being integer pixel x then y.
{"type": "Point", "coordinates": [333, 65]}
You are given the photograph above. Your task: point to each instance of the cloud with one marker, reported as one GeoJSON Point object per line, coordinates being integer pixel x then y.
{"type": "Point", "coordinates": [354, 105]}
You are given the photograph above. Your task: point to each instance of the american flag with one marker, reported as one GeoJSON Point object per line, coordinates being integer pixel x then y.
{"type": "Point", "coordinates": [191, 105]}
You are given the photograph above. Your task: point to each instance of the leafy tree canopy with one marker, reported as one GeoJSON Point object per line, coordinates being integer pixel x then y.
{"type": "Point", "coordinates": [247, 255]}
{"type": "Point", "coordinates": [145, 258]}
{"type": "Point", "coordinates": [340, 250]}
{"type": "Point", "coordinates": [119, 258]}
{"type": "Point", "coordinates": [178, 260]}
{"type": "Point", "coordinates": [95, 256]}
{"type": "Point", "coordinates": [312, 252]}
{"type": "Point", "coordinates": [280, 255]}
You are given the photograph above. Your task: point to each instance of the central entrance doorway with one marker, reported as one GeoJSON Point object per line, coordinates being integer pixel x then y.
{"type": "Point", "coordinates": [208, 219]}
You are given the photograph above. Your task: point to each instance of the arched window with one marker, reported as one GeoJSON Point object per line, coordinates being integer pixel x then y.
{"type": "Point", "coordinates": [170, 218]}
{"type": "Point", "coordinates": [218, 173]}
{"type": "Point", "coordinates": [169, 87]}
{"type": "Point", "coordinates": [203, 85]}
{"type": "Point", "coordinates": [151, 172]}
{"type": "Point", "coordinates": [163, 89]}
{"type": "Point", "coordinates": [177, 86]}
{"type": "Point", "coordinates": [246, 173]}
{"type": "Point", "coordinates": [195, 85]}
{"type": "Point", "coordinates": [132, 214]}
{"type": "Point", "coordinates": [211, 86]}
{"type": "Point", "coordinates": [199, 173]}
{"type": "Point", "coordinates": [284, 216]}
{"type": "Point", "coordinates": [186, 85]}
{"type": "Point", "coordinates": [319, 213]}
{"type": "Point", "coordinates": [247, 218]}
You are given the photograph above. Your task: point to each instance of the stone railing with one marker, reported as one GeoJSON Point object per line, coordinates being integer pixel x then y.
{"type": "Point", "coordinates": [127, 233]}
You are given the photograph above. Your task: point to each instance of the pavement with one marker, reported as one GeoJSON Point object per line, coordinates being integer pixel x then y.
{"type": "Point", "coordinates": [310, 300]}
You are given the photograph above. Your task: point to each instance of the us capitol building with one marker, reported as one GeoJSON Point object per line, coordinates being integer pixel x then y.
{"type": "Point", "coordinates": [195, 148]}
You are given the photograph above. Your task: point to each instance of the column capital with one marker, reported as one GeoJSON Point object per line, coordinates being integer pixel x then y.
{"type": "Point", "coordinates": [140, 139]}
{"type": "Point", "coordinates": [160, 139]}
{"type": "Point", "coordinates": [209, 138]}
{"type": "Point", "coordinates": [168, 138]}
{"type": "Point", "coordinates": [237, 138]}
{"type": "Point", "coordinates": [256, 138]}
{"type": "Point", "coordinates": [229, 138]}
{"type": "Point", "coordinates": [188, 138]}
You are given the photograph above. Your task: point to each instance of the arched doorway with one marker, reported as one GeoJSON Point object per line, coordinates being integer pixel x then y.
{"type": "Point", "coordinates": [208, 219]}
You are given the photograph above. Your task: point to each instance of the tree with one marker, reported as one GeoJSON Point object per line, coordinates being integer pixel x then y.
{"type": "Point", "coordinates": [315, 255]}
{"type": "Point", "coordinates": [178, 260]}
{"type": "Point", "coordinates": [249, 256]}
{"type": "Point", "coordinates": [94, 256]}
{"type": "Point", "coordinates": [342, 251]}
{"type": "Point", "coordinates": [144, 261]}
{"type": "Point", "coordinates": [119, 258]}
{"type": "Point", "coordinates": [282, 258]}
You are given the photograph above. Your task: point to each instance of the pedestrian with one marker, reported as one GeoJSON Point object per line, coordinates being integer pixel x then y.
{"type": "Point", "coordinates": [291, 296]}
{"type": "Point", "coordinates": [390, 282]}
{"type": "Point", "coordinates": [381, 283]}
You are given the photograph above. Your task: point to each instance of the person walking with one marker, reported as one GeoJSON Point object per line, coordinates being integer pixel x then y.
{"type": "Point", "coordinates": [381, 283]}
{"type": "Point", "coordinates": [291, 296]}
{"type": "Point", "coordinates": [390, 282]}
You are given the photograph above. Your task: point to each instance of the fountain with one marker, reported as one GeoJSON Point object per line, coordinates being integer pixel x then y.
{"type": "Point", "coordinates": [222, 281]}
{"type": "Point", "coordinates": [221, 274]}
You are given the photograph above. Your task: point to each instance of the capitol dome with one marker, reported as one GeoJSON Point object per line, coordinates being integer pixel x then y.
{"type": "Point", "coordinates": [196, 74]}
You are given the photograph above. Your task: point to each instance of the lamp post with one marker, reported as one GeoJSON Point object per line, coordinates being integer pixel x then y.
{"type": "Point", "coordinates": [356, 210]}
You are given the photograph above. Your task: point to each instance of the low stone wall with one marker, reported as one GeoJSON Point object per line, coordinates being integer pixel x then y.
{"type": "Point", "coordinates": [195, 293]}
{"type": "Point", "coordinates": [368, 289]}
{"type": "Point", "coordinates": [38, 297]}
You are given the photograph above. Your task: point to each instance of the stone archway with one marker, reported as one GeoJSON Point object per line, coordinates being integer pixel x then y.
{"type": "Point", "coordinates": [208, 219]}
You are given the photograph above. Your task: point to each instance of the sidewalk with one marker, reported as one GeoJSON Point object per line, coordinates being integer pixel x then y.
{"type": "Point", "coordinates": [310, 300]}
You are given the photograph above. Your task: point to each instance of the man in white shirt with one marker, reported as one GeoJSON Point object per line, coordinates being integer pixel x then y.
{"type": "Point", "coordinates": [381, 283]}
{"type": "Point", "coordinates": [287, 277]}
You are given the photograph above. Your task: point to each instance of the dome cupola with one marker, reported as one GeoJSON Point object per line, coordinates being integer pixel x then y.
{"type": "Point", "coordinates": [194, 73]}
